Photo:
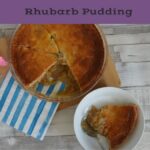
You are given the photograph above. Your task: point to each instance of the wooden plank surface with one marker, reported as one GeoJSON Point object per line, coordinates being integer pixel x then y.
{"type": "Point", "coordinates": [120, 39]}
{"type": "Point", "coordinates": [134, 74]}
{"type": "Point", "coordinates": [55, 143]}
{"type": "Point", "coordinates": [130, 48]}
{"type": "Point", "coordinates": [133, 53]}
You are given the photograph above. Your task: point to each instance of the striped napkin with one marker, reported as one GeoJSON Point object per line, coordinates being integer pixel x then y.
{"type": "Point", "coordinates": [25, 112]}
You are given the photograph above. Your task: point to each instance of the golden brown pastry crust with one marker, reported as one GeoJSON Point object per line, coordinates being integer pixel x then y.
{"type": "Point", "coordinates": [81, 45]}
{"type": "Point", "coordinates": [113, 121]}
{"type": "Point", "coordinates": [29, 53]}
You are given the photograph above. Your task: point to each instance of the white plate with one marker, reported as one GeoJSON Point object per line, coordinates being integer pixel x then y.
{"type": "Point", "coordinates": [99, 98]}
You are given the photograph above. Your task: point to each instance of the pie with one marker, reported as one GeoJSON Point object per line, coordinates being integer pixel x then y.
{"type": "Point", "coordinates": [114, 121]}
{"type": "Point", "coordinates": [73, 53]}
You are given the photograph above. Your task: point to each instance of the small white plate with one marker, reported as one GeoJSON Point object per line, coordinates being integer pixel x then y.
{"type": "Point", "coordinates": [99, 98]}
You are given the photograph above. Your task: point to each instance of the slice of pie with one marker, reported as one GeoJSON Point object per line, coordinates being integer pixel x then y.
{"type": "Point", "coordinates": [33, 53]}
{"type": "Point", "coordinates": [114, 121]}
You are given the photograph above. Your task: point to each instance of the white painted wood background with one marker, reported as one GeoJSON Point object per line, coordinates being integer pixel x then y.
{"type": "Point", "coordinates": [130, 49]}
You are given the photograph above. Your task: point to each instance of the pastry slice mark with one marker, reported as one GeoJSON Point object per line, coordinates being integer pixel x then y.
{"type": "Point", "coordinates": [61, 72]}
{"type": "Point", "coordinates": [40, 77]}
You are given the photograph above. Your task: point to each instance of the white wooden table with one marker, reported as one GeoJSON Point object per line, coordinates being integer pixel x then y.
{"type": "Point", "coordinates": [130, 49]}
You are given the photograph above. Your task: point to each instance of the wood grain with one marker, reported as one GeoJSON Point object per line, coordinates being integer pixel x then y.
{"type": "Point", "coordinates": [119, 39]}
{"type": "Point", "coordinates": [50, 143]}
{"type": "Point", "coordinates": [126, 28]}
{"type": "Point", "coordinates": [134, 74]}
{"type": "Point", "coordinates": [55, 143]}
{"type": "Point", "coordinates": [133, 53]}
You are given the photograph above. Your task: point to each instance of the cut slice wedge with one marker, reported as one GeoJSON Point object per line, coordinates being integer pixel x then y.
{"type": "Point", "coordinates": [61, 72]}
{"type": "Point", "coordinates": [114, 121]}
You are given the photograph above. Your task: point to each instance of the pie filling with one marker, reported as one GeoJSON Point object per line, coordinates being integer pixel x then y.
{"type": "Point", "coordinates": [62, 73]}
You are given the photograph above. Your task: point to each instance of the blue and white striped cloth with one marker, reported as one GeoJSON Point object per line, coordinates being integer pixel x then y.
{"type": "Point", "coordinates": [25, 112]}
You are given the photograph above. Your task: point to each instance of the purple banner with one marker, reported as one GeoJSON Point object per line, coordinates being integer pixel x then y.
{"type": "Point", "coordinates": [75, 11]}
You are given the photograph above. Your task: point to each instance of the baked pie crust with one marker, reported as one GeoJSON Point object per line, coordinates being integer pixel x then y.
{"type": "Point", "coordinates": [115, 122]}
{"type": "Point", "coordinates": [34, 53]}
